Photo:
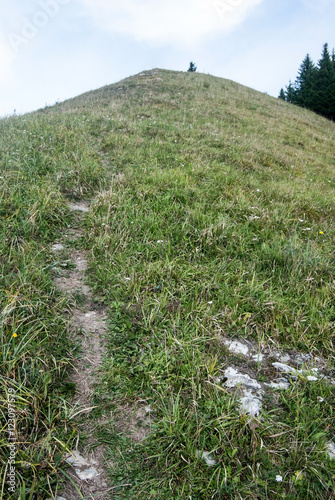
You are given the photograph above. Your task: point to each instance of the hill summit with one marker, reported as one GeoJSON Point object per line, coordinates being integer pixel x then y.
{"type": "Point", "coordinates": [167, 294]}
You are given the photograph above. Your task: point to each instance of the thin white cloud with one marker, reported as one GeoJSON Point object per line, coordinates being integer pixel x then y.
{"type": "Point", "coordinates": [175, 22]}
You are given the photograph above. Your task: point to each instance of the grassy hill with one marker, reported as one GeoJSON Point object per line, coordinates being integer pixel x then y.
{"type": "Point", "coordinates": [211, 218]}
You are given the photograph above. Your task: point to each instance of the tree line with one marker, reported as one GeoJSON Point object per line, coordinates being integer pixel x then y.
{"type": "Point", "coordinates": [314, 87]}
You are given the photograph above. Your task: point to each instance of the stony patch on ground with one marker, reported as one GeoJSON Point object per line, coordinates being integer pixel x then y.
{"type": "Point", "coordinates": [284, 369]}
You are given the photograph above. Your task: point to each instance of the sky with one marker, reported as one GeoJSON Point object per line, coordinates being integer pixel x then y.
{"type": "Point", "coordinates": [51, 50]}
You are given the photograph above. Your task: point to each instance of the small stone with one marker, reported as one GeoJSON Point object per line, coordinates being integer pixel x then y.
{"type": "Point", "coordinates": [311, 378]}
{"type": "Point", "coordinates": [81, 207]}
{"type": "Point", "coordinates": [57, 247]}
{"type": "Point", "coordinates": [284, 358]}
{"type": "Point", "coordinates": [258, 357]}
{"type": "Point", "coordinates": [303, 358]}
{"type": "Point", "coordinates": [210, 461]}
{"type": "Point", "coordinates": [250, 404]}
{"type": "Point", "coordinates": [236, 347]}
{"type": "Point", "coordinates": [60, 498]}
{"type": "Point", "coordinates": [87, 474]}
{"type": "Point", "coordinates": [331, 449]}
{"type": "Point", "coordinates": [279, 383]}
{"type": "Point", "coordinates": [76, 460]}
{"type": "Point", "coordinates": [234, 378]}
{"type": "Point", "coordinates": [284, 368]}
{"type": "Point", "coordinates": [90, 314]}
{"type": "Point", "coordinates": [279, 478]}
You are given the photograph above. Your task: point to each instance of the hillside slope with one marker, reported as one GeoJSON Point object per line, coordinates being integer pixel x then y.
{"type": "Point", "coordinates": [211, 221]}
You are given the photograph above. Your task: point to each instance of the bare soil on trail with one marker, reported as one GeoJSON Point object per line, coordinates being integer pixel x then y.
{"type": "Point", "coordinates": [89, 468]}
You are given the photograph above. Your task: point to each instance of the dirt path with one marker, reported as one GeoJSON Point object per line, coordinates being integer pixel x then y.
{"type": "Point", "coordinates": [89, 469]}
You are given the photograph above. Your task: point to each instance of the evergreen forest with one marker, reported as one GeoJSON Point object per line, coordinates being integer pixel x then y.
{"type": "Point", "coordinates": [314, 87]}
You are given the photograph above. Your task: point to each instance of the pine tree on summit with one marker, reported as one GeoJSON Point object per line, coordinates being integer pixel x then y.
{"type": "Point", "coordinates": [192, 67]}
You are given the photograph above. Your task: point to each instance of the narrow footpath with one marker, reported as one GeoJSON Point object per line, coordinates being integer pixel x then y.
{"type": "Point", "coordinates": [88, 468]}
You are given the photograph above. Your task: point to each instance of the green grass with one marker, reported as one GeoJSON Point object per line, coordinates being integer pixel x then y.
{"type": "Point", "coordinates": [212, 216]}
{"type": "Point", "coordinates": [43, 161]}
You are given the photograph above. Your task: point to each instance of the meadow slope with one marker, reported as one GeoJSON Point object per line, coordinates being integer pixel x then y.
{"type": "Point", "coordinates": [211, 219]}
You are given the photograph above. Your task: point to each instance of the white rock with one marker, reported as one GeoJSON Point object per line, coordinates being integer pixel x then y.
{"type": "Point", "coordinates": [87, 474]}
{"type": "Point", "coordinates": [280, 383]}
{"type": "Point", "coordinates": [210, 461]}
{"type": "Point", "coordinates": [60, 498]}
{"type": "Point", "coordinates": [250, 404]}
{"type": "Point", "coordinates": [311, 378]}
{"type": "Point", "coordinates": [284, 358]}
{"type": "Point", "coordinates": [76, 460]}
{"type": "Point", "coordinates": [234, 378]}
{"type": "Point", "coordinates": [331, 449]}
{"type": "Point", "coordinates": [90, 314]}
{"type": "Point", "coordinates": [57, 247]}
{"type": "Point", "coordinates": [284, 368]}
{"type": "Point", "coordinates": [303, 358]}
{"type": "Point", "coordinates": [236, 347]}
{"type": "Point", "coordinates": [258, 357]}
{"type": "Point", "coordinates": [81, 207]}
{"type": "Point", "coordinates": [279, 478]}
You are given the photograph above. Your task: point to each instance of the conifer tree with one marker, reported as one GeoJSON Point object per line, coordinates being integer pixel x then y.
{"type": "Point", "coordinates": [290, 93]}
{"type": "Point", "coordinates": [314, 87]}
{"type": "Point", "coordinates": [192, 67]}
{"type": "Point", "coordinates": [325, 86]}
{"type": "Point", "coordinates": [282, 95]}
{"type": "Point", "coordinates": [305, 84]}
